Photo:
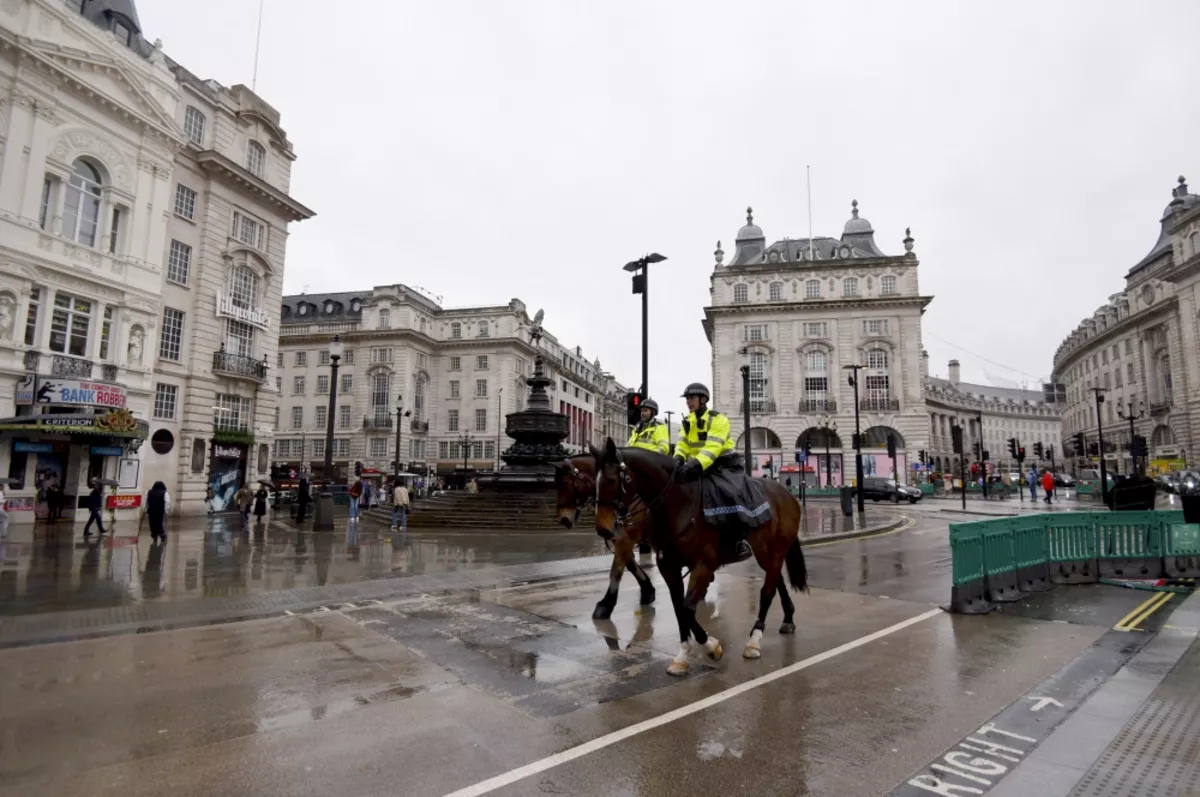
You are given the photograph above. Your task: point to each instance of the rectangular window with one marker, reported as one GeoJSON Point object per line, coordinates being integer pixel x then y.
{"type": "Point", "coordinates": [454, 388]}
{"type": "Point", "coordinates": [1116, 352]}
{"type": "Point", "coordinates": [381, 355]}
{"type": "Point", "coordinates": [1128, 346]}
{"type": "Point", "coordinates": [776, 291]}
{"type": "Point", "coordinates": [875, 326]}
{"type": "Point", "coordinates": [812, 289]}
{"type": "Point", "coordinates": [298, 386]}
{"type": "Point", "coordinates": [31, 316]}
{"type": "Point", "coordinates": [484, 330]}
{"type": "Point", "coordinates": [443, 450]}
{"type": "Point", "coordinates": [279, 359]}
{"type": "Point", "coordinates": [385, 319]}
{"type": "Point", "coordinates": [814, 329]}
{"type": "Point", "coordinates": [456, 363]}
{"type": "Point", "coordinates": [755, 332]}
{"type": "Point", "coordinates": [323, 357]}
{"type": "Point", "coordinates": [452, 421]}
{"type": "Point", "coordinates": [69, 325]}
{"type": "Point", "coordinates": [106, 332]}
{"type": "Point", "coordinates": [341, 447]}
{"type": "Point", "coordinates": [489, 450]}
{"type": "Point", "coordinates": [165, 397]}
{"type": "Point", "coordinates": [239, 338]}
{"type": "Point", "coordinates": [456, 330]}
{"type": "Point", "coordinates": [887, 286]}
{"type": "Point", "coordinates": [297, 417]}
{"type": "Point", "coordinates": [379, 447]}
{"type": "Point", "coordinates": [416, 449]}
{"type": "Point", "coordinates": [193, 126]}
{"type": "Point", "coordinates": [301, 359]}
{"type": "Point", "coordinates": [758, 382]}
{"type": "Point", "coordinates": [47, 195]}
{"type": "Point", "coordinates": [1104, 357]}
{"type": "Point", "coordinates": [232, 412]}
{"type": "Point", "coordinates": [481, 363]}
{"type": "Point", "coordinates": [480, 388]}
{"type": "Point", "coordinates": [1129, 376]}
{"type": "Point", "coordinates": [179, 263]}
{"type": "Point", "coordinates": [422, 360]}
{"type": "Point", "coordinates": [348, 357]}
{"type": "Point", "coordinates": [170, 344]}
{"type": "Point", "coordinates": [481, 420]}
{"type": "Point", "coordinates": [741, 293]}
{"type": "Point", "coordinates": [249, 231]}
{"type": "Point", "coordinates": [318, 449]}
{"type": "Point", "coordinates": [114, 231]}
{"type": "Point", "coordinates": [323, 384]}
{"type": "Point", "coordinates": [279, 384]}
{"type": "Point", "coordinates": [277, 419]}
{"type": "Point", "coordinates": [185, 202]}
{"type": "Point", "coordinates": [344, 416]}
{"type": "Point", "coordinates": [347, 383]}
{"type": "Point", "coordinates": [1117, 377]}
{"type": "Point", "coordinates": [850, 286]}
{"type": "Point", "coordinates": [322, 419]}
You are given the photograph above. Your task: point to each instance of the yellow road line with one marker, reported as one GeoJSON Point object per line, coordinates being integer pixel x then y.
{"type": "Point", "coordinates": [1131, 621]}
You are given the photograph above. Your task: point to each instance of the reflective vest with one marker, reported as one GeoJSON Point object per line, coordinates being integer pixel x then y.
{"type": "Point", "coordinates": [651, 436]}
{"type": "Point", "coordinates": [704, 437]}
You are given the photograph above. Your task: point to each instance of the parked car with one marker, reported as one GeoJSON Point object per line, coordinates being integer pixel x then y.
{"type": "Point", "coordinates": [887, 490]}
{"type": "Point", "coordinates": [1065, 480]}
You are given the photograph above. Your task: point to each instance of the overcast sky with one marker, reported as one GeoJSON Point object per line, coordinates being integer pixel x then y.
{"type": "Point", "coordinates": [489, 150]}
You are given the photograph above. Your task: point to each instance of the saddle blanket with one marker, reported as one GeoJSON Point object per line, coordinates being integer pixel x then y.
{"type": "Point", "coordinates": [732, 499]}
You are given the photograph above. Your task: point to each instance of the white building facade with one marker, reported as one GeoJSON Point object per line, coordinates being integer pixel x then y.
{"type": "Point", "coordinates": [797, 312]}
{"type": "Point", "coordinates": [1141, 350]}
{"type": "Point", "coordinates": [454, 374]}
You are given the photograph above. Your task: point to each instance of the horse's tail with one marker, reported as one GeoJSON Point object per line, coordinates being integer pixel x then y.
{"type": "Point", "coordinates": [797, 571]}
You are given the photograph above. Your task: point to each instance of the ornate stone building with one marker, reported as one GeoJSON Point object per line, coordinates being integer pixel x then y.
{"type": "Point", "coordinates": [143, 215]}
{"type": "Point", "coordinates": [459, 371]}
{"type": "Point", "coordinates": [1142, 349]}
{"type": "Point", "coordinates": [797, 312]}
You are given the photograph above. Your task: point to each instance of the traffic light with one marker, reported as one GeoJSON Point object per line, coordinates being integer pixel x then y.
{"type": "Point", "coordinates": [1021, 454]}
{"type": "Point", "coordinates": [1139, 447]}
{"type": "Point", "coordinates": [891, 446]}
{"type": "Point", "coordinates": [1050, 452]}
{"type": "Point", "coordinates": [633, 408]}
{"type": "Point", "coordinates": [956, 439]}
{"type": "Point", "coordinates": [1080, 446]}
{"type": "Point", "coordinates": [1012, 447]}
{"type": "Point", "coordinates": [358, 469]}
{"type": "Point", "coordinates": [807, 450]}
{"type": "Point", "coordinates": [978, 449]}
{"type": "Point", "coordinates": [921, 456]}
{"type": "Point", "coordinates": [1094, 449]}
{"type": "Point", "coordinates": [1038, 451]}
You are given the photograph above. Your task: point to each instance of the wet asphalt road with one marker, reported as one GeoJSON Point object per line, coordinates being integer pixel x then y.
{"type": "Point", "coordinates": [430, 694]}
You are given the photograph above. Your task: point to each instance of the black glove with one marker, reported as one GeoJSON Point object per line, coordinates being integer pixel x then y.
{"type": "Point", "coordinates": [689, 469]}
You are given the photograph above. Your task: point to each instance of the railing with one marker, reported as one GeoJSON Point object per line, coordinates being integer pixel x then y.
{"type": "Point", "coordinates": [286, 330]}
{"type": "Point", "coordinates": [1160, 408]}
{"type": "Point", "coordinates": [758, 407]}
{"type": "Point", "coordinates": [378, 422]}
{"type": "Point", "coordinates": [420, 426]}
{"type": "Point", "coordinates": [879, 405]}
{"type": "Point", "coordinates": [818, 405]}
{"type": "Point", "coordinates": [70, 367]}
{"type": "Point", "coordinates": [239, 365]}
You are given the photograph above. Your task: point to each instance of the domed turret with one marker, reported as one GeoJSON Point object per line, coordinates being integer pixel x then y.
{"type": "Point", "coordinates": [856, 226]}
{"type": "Point", "coordinates": [859, 234]}
{"type": "Point", "coordinates": [750, 242]}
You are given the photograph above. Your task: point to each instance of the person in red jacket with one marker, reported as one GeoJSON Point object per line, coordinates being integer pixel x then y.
{"type": "Point", "coordinates": [1048, 484]}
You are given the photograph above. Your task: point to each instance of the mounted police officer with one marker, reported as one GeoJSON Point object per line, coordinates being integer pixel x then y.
{"type": "Point", "coordinates": [650, 434]}
{"type": "Point", "coordinates": [705, 446]}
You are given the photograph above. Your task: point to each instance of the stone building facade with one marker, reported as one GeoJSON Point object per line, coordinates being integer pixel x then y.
{"type": "Point", "coordinates": [456, 373]}
{"type": "Point", "coordinates": [797, 312]}
{"type": "Point", "coordinates": [1141, 350]}
{"type": "Point", "coordinates": [97, 143]}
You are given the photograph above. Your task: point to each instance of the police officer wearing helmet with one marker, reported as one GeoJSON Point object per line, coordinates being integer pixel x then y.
{"type": "Point", "coordinates": [705, 443]}
{"type": "Point", "coordinates": [649, 434]}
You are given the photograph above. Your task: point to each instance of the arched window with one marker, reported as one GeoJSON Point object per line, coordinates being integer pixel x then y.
{"type": "Point", "coordinates": [776, 291]}
{"type": "Point", "coordinates": [812, 289]}
{"type": "Point", "coordinates": [256, 158]}
{"type": "Point", "coordinates": [385, 318]}
{"type": "Point", "coordinates": [877, 387]}
{"type": "Point", "coordinates": [816, 382]}
{"type": "Point", "coordinates": [193, 125]}
{"type": "Point", "coordinates": [81, 210]}
{"type": "Point", "coordinates": [741, 293]}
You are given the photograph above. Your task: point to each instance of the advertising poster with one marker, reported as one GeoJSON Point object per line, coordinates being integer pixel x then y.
{"type": "Point", "coordinates": [225, 474]}
{"type": "Point", "coordinates": [50, 469]}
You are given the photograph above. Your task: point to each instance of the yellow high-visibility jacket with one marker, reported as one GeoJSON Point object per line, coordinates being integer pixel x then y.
{"type": "Point", "coordinates": [705, 437]}
{"type": "Point", "coordinates": [651, 436]}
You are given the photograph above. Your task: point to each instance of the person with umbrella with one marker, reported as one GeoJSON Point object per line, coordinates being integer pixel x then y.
{"type": "Point", "coordinates": [158, 501]}
{"type": "Point", "coordinates": [260, 501]}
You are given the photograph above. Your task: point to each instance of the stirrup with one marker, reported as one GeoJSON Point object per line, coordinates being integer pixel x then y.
{"type": "Point", "coordinates": [742, 551]}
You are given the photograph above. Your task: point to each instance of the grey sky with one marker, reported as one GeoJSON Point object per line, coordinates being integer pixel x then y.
{"type": "Point", "coordinates": [486, 150]}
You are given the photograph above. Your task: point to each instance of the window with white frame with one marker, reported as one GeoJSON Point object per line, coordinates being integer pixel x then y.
{"type": "Point", "coordinates": [416, 449]}
{"type": "Point", "coordinates": [279, 384]}
{"type": "Point", "coordinates": [385, 318]}
{"type": "Point", "coordinates": [49, 186]}
{"type": "Point", "coordinates": [348, 357]}
{"type": "Point", "coordinates": [341, 447]}
{"type": "Point", "coordinates": [489, 449]}
{"type": "Point", "coordinates": [379, 447]}
{"type": "Point", "coordinates": [243, 287]}
{"type": "Point", "coordinates": [322, 419]}
{"type": "Point", "coordinates": [318, 449]}
{"type": "Point", "coordinates": [31, 316]}
{"type": "Point", "coordinates": [481, 388]}
{"type": "Point", "coordinates": [481, 363]}
{"type": "Point", "coordinates": [776, 291]}
{"type": "Point", "coordinates": [452, 421]}
{"type": "Point", "coordinates": [814, 329]}
{"type": "Point", "coordinates": [239, 338]}
{"type": "Point", "coordinates": [419, 399]}
{"type": "Point", "coordinates": [456, 330]}
{"type": "Point", "coordinates": [454, 383]}
{"type": "Point", "coordinates": [875, 326]}
{"type": "Point", "coordinates": [297, 386]}
{"type": "Point", "coordinates": [297, 417]}
{"type": "Point", "coordinates": [323, 357]}
{"type": "Point", "coordinates": [456, 363]}
{"type": "Point", "coordinates": [758, 382]}
{"type": "Point", "coordinates": [381, 354]}
{"type": "Point", "coordinates": [106, 332]}
{"type": "Point", "coordinates": [277, 410]}
{"type": "Point", "coordinates": [481, 420]}
{"type": "Point", "coordinates": [256, 158]}
{"type": "Point", "coordinates": [850, 286]}
{"type": "Point", "coordinates": [754, 332]}
{"type": "Point", "coordinates": [322, 384]}
{"type": "Point", "coordinates": [741, 293]}
{"type": "Point", "coordinates": [816, 380]}
{"type": "Point", "coordinates": [185, 202]}
{"type": "Point", "coordinates": [193, 126]}
{"type": "Point", "coordinates": [171, 342]}
{"type": "Point", "coordinates": [812, 289]}
{"type": "Point", "coordinates": [81, 208]}
{"type": "Point", "coordinates": [165, 400]}
{"type": "Point", "coordinates": [179, 263]}
{"type": "Point", "coordinates": [301, 359]}
{"type": "Point", "coordinates": [232, 412]}
{"type": "Point", "coordinates": [251, 232]}
{"type": "Point", "coordinates": [484, 329]}
{"type": "Point", "coordinates": [887, 285]}
{"type": "Point", "coordinates": [344, 416]}
{"type": "Point", "coordinates": [70, 323]}
{"type": "Point", "coordinates": [877, 381]}
{"type": "Point", "coordinates": [381, 401]}
{"type": "Point", "coordinates": [347, 383]}
{"type": "Point", "coordinates": [443, 450]}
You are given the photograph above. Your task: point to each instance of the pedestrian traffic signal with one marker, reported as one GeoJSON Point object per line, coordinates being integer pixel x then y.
{"type": "Point", "coordinates": [891, 446]}
{"type": "Point", "coordinates": [633, 408]}
{"type": "Point", "coordinates": [956, 439]}
{"type": "Point", "coordinates": [1038, 451]}
{"type": "Point", "coordinates": [1012, 447]}
{"type": "Point", "coordinates": [1021, 454]}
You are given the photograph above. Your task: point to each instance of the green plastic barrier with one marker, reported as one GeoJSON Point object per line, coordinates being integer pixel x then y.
{"type": "Point", "coordinates": [1181, 543]}
{"type": "Point", "coordinates": [1130, 544]}
{"type": "Point", "coordinates": [1030, 550]}
{"type": "Point", "coordinates": [1084, 488]}
{"type": "Point", "coordinates": [1072, 547]}
{"type": "Point", "coordinates": [926, 489]}
{"type": "Point", "coordinates": [966, 557]}
{"type": "Point", "coordinates": [1000, 561]}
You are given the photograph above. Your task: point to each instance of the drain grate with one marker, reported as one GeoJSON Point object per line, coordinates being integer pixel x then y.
{"type": "Point", "coordinates": [1157, 754]}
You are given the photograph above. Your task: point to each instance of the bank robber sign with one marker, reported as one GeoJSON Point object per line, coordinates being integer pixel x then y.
{"type": "Point", "coordinates": [74, 392]}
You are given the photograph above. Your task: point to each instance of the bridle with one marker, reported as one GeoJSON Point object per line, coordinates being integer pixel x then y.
{"type": "Point", "coordinates": [621, 506]}
{"type": "Point", "coordinates": [586, 491]}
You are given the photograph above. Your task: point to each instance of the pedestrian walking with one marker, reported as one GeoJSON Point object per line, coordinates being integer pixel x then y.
{"type": "Point", "coordinates": [400, 503]}
{"type": "Point", "coordinates": [368, 493]}
{"type": "Point", "coordinates": [1032, 480]}
{"type": "Point", "coordinates": [95, 502]}
{"type": "Point", "coordinates": [302, 499]}
{"type": "Point", "coordinates": [244, 498]}
{"type": "Point", "coordinates": [1048, 484]}
{"type": "Point", "coordinates": [356, 491]}
{"type": "Point", "coordinates": [260, 503]}
{"type": "Point", "coordinates": [54, 501]}
{"type": "Point", "coordinates": [158, 501]}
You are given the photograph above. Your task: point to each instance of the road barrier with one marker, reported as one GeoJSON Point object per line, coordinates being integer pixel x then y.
{"type": "Point", "coordinates": [997, 561]}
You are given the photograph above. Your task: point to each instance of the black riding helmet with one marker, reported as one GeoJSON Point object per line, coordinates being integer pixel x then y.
{"type": "Point", "coordinates": [697, 389]}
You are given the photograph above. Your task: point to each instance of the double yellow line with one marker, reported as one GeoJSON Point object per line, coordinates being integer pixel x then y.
{"type": "Point", "coordinates": [1131, 621]}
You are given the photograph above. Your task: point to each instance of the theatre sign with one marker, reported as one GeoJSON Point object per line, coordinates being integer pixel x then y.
{"type": "Point", "coordinates": [70, 392]}
{"type": "Point", "coordinates": [254, 316]}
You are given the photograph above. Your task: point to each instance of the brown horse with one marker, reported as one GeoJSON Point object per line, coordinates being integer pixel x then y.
{"type": "Point", "coordinates": [682, 537]}
{"type": "Point", "coordinates": [575, 482]}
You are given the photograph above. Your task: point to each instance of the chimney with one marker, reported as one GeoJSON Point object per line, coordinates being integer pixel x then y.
{"type": "Point", "coordinates": [954, 374]}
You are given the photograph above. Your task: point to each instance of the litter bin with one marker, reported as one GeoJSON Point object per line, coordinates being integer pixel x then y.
{"type": "Point", "coordinates": [847, 496]}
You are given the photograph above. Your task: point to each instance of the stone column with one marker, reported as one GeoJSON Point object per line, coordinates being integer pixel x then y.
{"type": "Point", "coordinates": [35, 165]}
{"type": "Point", "coordinates": [20, 130]}
{"type": "Point", "coordinates": [98, 334]}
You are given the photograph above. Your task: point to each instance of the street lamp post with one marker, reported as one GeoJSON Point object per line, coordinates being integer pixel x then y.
{"type": "Point", "coordinates": [1131, 417]}
{"type": "Point", "coordinates": [1099, 391]}
{"type": "Point", "coordinates": [499, 415]}
{"type": "Point", "coordinates": [830, 428]}
{"type": "Point", "coordinates": [323, 517]}
{"type": "Point", "coordinates": [858, 463]}
{"type": "Point", "coordinates": [465, 441]}
{"type": "Point", "coordinates": [641, 284]}
{"type": "Point", "coordinates": [983, 454]}
{"type": "Point", "coordinates": [400, 416]}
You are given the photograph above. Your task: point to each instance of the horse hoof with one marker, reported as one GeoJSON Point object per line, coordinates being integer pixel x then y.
{"type": "Point", "coordinates": [602, 612]}
{"type": "Point", "coordinates": [648, 598]}
{"type": "Point", "coordinates": [752, 651]}
{"type": "Point", "coordinates": [714, 649]}
{"type": "Point", "coordinates": [787, 628]}
{"type": "Point", "coordinates": [678, 668]}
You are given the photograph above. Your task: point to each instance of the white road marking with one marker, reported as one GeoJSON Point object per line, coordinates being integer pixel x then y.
{"type": "Point", "coordinates": [1040, 703]}
{"type": "Point", "coordinates": [599, 743]}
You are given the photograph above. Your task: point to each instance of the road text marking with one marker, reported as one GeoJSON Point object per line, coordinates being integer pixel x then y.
{"type": "Point", "coordinates": [599, 743]}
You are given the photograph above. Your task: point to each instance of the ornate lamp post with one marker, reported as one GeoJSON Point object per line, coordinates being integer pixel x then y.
{"type": "Point", "coordinates": [1128, 414]}
{"type": "Point", "coordinates": [465, 441]}
{"type": "Point", "coordinates": [400, 416]}
{"type": "Point", "coordinates": [323, 516]}
{"type": "Point", "coordinates": [858, 463]}
{"type": "Point", "coordinates": [1099, 391]}
{"type": "Point", "coordinates": [829, 426]}
{"type": "Point", "coordinates": [745, 369]}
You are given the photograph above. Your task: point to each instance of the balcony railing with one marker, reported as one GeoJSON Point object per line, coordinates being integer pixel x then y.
{"type": "Point", "coordinates": [419, 426]}
{"type": "Point", "coordinates": [1160, 408]}
{"type": "Point", "coordinates": [239, 365]}
{"type": "Point", "coordinates": [758, 406]}
{"type": "Point", "coordinates": [377, 422]}
{"type": "Point", "coordinates": [70, 367]}
{"type": "Point", "coordinates": [879, 405]}
{"type": "Point", "coordinates": [818, 405]}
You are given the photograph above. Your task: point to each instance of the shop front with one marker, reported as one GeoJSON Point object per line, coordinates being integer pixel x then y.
{"type": "Point", "coordinates": [226, 473]}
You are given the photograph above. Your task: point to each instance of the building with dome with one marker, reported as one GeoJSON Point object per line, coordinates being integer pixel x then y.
{"type": "Point", "coordinates": [1141, 349]}
{"type": "Point", "coordinates": [796, 312]}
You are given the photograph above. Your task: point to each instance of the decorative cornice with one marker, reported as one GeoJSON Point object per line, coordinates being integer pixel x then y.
{"type": "Point", "coordinates": [217, 164]}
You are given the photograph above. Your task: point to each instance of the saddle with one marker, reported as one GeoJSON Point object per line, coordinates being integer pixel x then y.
{"type": "Point", "coordinates": [731, 500]}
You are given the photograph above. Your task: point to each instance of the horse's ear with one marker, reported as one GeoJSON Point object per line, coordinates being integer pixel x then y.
{"type": "Point", "coordinates": [561, 465]}
{"type": "Point", "coordinates": [595, 452]}
{"type": "Point", "coordinates": [610, 449]}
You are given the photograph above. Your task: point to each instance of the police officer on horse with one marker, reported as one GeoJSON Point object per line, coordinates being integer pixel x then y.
{"type": "Point", "coordinates": [706, 447]}
{"type": "Point", "coordinates": [650, 434]}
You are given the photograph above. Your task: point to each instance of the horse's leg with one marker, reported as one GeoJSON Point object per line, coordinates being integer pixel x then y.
{"type": "Point", "coordinates": [789, 609]}
{"type": "Point", "coordinates": [622, 555]}
{"type": "Point", "coordinates": [672, 573]}
{"type": "Point", "coordinates": [765, 596]}
{"type": "Point", "coordinates": [702, 576]}
{"type": "Point", "coordinates": [637, 534]}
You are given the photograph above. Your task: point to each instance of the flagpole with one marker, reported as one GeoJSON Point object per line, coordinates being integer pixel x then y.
{"type": "Point", "coordinates": [808, 180]}
{"type": "Point", "coordinates": [257, 41]}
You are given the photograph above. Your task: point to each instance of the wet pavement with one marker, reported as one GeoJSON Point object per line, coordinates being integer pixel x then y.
{"type": "Point", "coordinates": [430, 693]}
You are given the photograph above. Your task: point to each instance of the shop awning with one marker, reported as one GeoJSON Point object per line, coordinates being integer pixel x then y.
{"type": "Point", "coordinates": [118, 423]}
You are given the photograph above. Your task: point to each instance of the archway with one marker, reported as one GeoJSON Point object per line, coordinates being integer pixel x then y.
{"type": "Point", "coordinates": [876, 461]}
{"type": "Point", "coordinates": [766, 451]}
{"type": "Point", "coordinates": [1162, 436]}
{"type": "Point", "coordinates": [824, 466]}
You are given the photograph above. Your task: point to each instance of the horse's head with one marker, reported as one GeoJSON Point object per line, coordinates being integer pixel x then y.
{"type": "Point", "coordinates": [615, 490]}
{"type": "Point", "coordinates": [575, 485]}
